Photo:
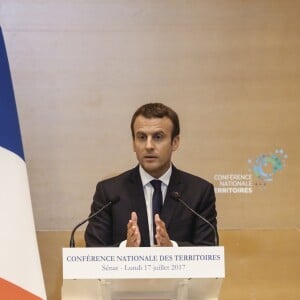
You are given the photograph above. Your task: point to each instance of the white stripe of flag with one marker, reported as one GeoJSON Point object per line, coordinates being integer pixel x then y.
{"type": "Point", "coordinates": [20, 269]}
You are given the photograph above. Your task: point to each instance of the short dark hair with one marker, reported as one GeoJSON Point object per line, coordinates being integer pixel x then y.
{"type": "Point", "coordinates": [157, 110]}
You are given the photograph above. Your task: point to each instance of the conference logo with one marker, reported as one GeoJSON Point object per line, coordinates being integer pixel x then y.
{"type": "Point", "coordinates": [264, 167]}
{"type": "Point", "coordinates": [262, 170]}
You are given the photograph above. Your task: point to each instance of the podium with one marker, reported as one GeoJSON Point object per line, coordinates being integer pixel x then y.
{"type": "Point", "coordinates": [157, 273]}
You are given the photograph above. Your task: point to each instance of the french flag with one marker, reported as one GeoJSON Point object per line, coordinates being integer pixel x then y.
{"type": "Point", "coordinates": [21, 275]}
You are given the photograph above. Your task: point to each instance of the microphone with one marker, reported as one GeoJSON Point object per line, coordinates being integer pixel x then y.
{"type": "Point", "coordinates": [72, 240]}
{"type": "Point", "coordinates": [176, 196]}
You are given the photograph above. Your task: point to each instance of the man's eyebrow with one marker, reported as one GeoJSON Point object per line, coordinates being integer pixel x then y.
{"type": "Point", "coordinates": [159, 131]}
{"type": "Point", "coordinates": [140, 132]}
{"type": "Point", "coordinates": [155, 132]}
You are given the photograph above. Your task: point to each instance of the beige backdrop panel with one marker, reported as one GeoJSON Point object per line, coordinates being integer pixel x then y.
{"type": "Point", "coordinates": [230, 69]}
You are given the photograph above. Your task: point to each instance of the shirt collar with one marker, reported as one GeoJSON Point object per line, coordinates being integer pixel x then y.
{"type": "Point", "coordinates": [146, 177]}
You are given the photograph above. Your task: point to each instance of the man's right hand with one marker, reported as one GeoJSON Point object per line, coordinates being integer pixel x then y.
{"type": "Point", "coordinates": [133, 232]}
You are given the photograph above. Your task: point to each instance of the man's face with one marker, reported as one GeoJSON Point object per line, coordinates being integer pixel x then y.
{"type": "Point", "coordinates": [153, 144]}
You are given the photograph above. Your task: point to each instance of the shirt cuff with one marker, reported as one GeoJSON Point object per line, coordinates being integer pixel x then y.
{"type": "Point", "coordinates": [123, 244]}
{"type": "Point", "coordinates": [174, 244]}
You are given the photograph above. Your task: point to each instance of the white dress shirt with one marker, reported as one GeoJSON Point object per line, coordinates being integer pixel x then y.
{"type": "Point", "coordinates": [148, 192]}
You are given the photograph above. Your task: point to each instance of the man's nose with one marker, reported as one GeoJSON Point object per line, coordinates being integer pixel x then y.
{"type": "Point", "coordinates": [149, 143]}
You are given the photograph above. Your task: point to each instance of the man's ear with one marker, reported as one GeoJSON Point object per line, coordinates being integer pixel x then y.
{"type": "Point", "coordinates": [133, 145]}
{"type": "Point", "coordinates": [175, 142]}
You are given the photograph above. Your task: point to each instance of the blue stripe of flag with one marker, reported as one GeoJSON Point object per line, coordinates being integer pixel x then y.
{"type": "Point", "coordinates": [10, 135]}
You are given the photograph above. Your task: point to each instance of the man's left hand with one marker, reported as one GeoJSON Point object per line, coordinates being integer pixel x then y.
{"type": "Point", "coordinates": [161, 236]}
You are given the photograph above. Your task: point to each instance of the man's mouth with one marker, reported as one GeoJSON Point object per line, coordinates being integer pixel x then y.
{"type": "Point", "coordinates": [150, 157]}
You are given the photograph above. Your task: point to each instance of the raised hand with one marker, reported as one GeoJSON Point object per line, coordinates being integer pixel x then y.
{"type": "Point", "coordinates": [133, 232]}
{"type": "Point", "coordinates": [161, 236]}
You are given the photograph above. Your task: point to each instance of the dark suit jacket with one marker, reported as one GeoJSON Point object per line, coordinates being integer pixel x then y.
{"type": "Point", "coordinates": [109, 228]}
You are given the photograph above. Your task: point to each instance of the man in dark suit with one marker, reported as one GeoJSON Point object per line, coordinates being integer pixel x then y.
{"type": "Point", "coordinates": [147, 213]}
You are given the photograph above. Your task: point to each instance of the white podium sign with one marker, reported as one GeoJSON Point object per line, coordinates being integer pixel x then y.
{"type": "Point", "coordinates": [143, 263]}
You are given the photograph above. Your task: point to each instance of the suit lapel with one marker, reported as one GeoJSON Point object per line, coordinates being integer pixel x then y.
{"type": "Point", "coordinates": [139, 205]}
{"type": "Point", "coordinates": [171, 204]}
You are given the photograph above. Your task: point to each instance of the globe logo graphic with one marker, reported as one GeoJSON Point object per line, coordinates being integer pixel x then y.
{"type": "Point", "coordinates": [264, 167]}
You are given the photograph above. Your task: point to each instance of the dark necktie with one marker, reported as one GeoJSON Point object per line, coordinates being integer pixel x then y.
{"type": "Point", "coordinates": [157, 201]}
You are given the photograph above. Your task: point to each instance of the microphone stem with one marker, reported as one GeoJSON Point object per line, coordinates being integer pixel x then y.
{"type": "Point", "coordinates": [72, 240]}
{"type": "Point", "coordinates": [203, 219]}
